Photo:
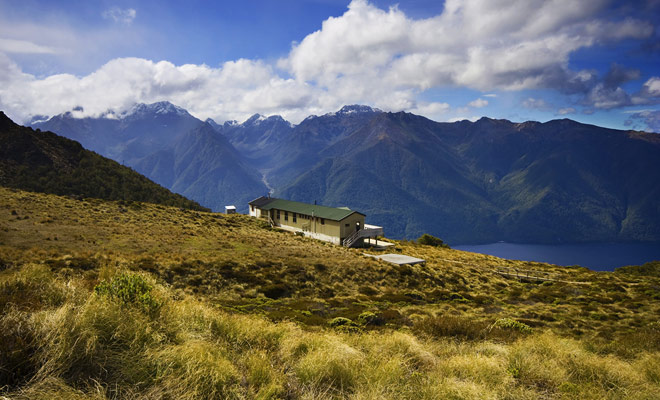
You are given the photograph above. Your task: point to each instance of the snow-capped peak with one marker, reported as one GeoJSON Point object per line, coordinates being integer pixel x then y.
{"type": "Point", "coordinates": [354, 109]}
{"type": "Point", "coordinates": [257, 119]}
{"type": "Point", "coordinates": [161, 107]}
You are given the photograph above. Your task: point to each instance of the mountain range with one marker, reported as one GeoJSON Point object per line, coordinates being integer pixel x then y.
{"type": "Point", "coordinates": [168, 145]}
{"type": "Point", "coordinates": [467, 182]}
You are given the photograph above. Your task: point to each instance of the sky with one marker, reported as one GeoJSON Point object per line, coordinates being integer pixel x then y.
{"type": "Point", "coordinates": [595, 61]}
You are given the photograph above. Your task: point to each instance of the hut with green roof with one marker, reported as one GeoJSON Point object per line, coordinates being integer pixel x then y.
{"type": "Point", "coordinates": [339, 225]}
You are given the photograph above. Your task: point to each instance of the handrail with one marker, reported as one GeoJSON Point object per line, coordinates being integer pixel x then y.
{"type": "Point", "coordinates": [526, 274]}
{"type": "Point", "coordinates": [348, 241]}
{"type": "Point", "coordinates": [365, 232]}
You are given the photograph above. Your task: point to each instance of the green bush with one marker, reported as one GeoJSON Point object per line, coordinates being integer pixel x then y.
{"type": "Point", "coordinates": [511, 324]}
{"type": "Point", "coordinates": [430, 240]}
{"type": "Point", "coordinates": [344, 324]}
{"type": "Point", "coordinates": [340, 321]}
{"type": "Point", "coordinates": [369, 318]}
{"type": "Point", "coordinates": [129, 290]}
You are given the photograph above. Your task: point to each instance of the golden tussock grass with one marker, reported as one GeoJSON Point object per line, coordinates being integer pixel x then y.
{"type": "Point", "coordinates": [228, 308]}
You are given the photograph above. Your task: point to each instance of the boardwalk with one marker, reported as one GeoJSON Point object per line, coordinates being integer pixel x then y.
{"type": "Point", "coordinates": [532, 275]}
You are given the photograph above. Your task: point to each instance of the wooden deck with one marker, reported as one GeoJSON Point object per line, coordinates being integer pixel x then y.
{"type": "Point", "coordinates": [398, 259]}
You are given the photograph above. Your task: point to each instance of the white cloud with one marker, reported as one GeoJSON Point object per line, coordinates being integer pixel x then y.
{"type": "Point", "coordinates": [606, 97]}
{"type": "Point", "coordinates": [235, 90]}
{"type": "Point", "coordinates": [652, 86]}
{"type": "Point", "coordinates": [367, 55]}
{"type": "Point", "coordinates": [458, 119]}
{"type": "Point", "coordinates": [116, 14]}
{"type": "Point", "coordinates": [479, 44]}
{"type": "Point", "coordinates": [25, 47]}
{"type": "Point", "coordinates": [478, 103]}
{"type": "Point", "coordinates": [536, 104]}
{"type": "Point", "coordinates": [432, 110]}
{"type": "Point", "coordinates": [645, 119]}
{"type": "Point", "coordinates": [566, 111]}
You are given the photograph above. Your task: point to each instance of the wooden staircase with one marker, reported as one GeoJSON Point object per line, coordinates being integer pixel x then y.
{"type": "Point", "coordinates": [362, 233]}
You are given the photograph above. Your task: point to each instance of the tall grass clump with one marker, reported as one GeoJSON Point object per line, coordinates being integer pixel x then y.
{"type": "Point", "coordinates": [195, 369]}
{"type": "Point", "coordinates": [559, 365]}
{"type": "Point", "coordinates": [98, 340]}
{"type": "Point", "coordinates": [17, 349]}
{"type": "Point", "coordinates": [31, 287]}
{"type": "Point", "coordinates": [330, 365]}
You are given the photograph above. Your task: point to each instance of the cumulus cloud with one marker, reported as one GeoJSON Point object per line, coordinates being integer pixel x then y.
{"type": "Point", "coordinates": [649, 118]}
{"type": "Point", "coordinates": [116, 14]}
{"type": "Point", "coordinates": [478, 103]}
{"type": "Point", "coordinates": [433, 110]}
{"type": "Point", "coordinates": [479, 44]}
{"type": "Point", "coordinates": [566, 111]}
{"type": "Point", "coordinates": [536, 104]}
{"type": "Point", "coordinates": [649, 93]}
{"type": "Point", "coordinates": [232, 91]}
{"type": "Point", "coordinates": [367, 55]}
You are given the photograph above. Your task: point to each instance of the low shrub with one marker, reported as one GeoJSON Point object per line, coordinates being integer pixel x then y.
{"type": "Point", "coordinates": [511, 324]}
{"type": "Point", "coordinates": [129, 290]}
{"type": "Point", "coordinates": [344, 324]}
{"type": "Point", "coordinates": [429, 240]}
{"type": "Point", "coordinates": [368, 318]}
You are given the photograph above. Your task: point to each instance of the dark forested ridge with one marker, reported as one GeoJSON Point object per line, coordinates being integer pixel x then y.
{"type": "Point", "coordinates": [45, 162]}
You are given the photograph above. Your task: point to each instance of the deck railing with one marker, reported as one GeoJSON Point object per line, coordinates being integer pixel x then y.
{"type": "Point", "coordinates": [367, 231]}
{"type": "Point", "coordinates": [526, 275]}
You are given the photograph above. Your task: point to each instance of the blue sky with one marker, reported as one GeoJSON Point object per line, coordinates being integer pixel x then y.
{"type": "Point", "coordinates": [594, 61]}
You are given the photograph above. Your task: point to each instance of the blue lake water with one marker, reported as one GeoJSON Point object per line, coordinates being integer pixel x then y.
{"type": "Point", "coordinates": [596, 256]}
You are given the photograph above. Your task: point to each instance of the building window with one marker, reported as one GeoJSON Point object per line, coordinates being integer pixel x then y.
{"type": "Point", "coordinates": [347, 225]}
{"type": "Point", "coordinates": [322, 221]}
{"type": "Point", "coordinates": [286, 215]}
{"type": "Point", "coordinates": [278, 214]}
{"type": "Point", "coordinates": [252, 208]}
{"type": "Point", "coordinates": [294, 218]}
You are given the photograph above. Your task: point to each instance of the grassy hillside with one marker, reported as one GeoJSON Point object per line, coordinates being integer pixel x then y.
{"type": "Point", "coordinates": [105, 299]}
{"type": "Point", "coordinates": [45, 162]}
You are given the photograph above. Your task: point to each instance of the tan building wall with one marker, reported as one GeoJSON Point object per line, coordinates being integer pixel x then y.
{"type": "Point", "coordinates": [254, 211]}
{"type": "Point", "coordinates": [314, 226]}
{"type": "Point", "coordinates": [306, 223]}
{"type": "Point", "coordinates": [349, 224]}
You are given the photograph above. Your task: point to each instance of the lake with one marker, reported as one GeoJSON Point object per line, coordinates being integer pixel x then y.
{"type": "Point", "coordinates": [595, 256]}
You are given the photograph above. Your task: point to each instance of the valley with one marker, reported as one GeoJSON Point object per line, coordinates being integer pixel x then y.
{"type": "Point", "coordinates": [467, 182]}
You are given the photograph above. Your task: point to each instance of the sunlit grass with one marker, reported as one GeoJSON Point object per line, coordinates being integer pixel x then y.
{"type": "Point", "coordinates": [243, 311]}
